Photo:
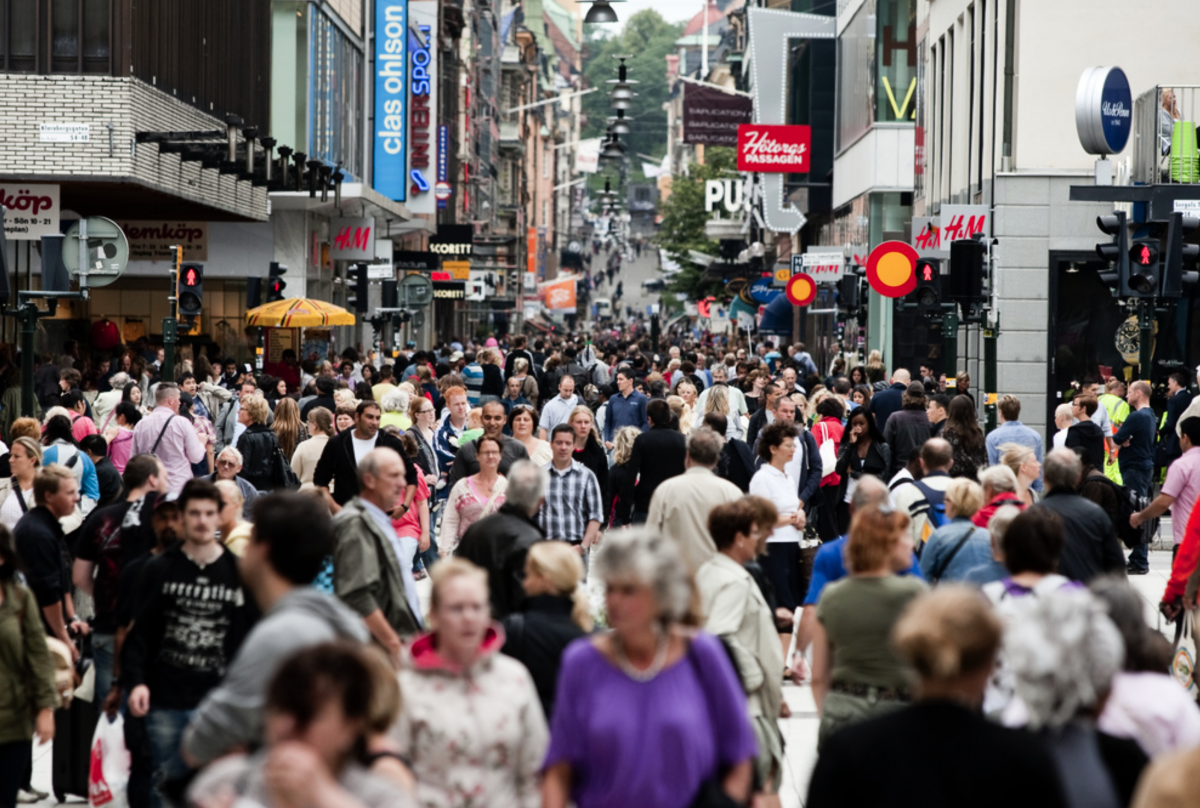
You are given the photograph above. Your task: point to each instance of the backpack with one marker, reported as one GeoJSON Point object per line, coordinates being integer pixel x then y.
{"type": "Point", "coordinates": [934, 508]}
{"type": "Point", "coordinates": [1128, 503]}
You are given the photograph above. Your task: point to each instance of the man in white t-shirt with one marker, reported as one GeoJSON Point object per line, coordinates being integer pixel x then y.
{"type": "Point", "coordinates": [346, 450]}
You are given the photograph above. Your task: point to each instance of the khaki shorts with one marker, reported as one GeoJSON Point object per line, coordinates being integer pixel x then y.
{"type": "Point", "coordinates": [843, 709]}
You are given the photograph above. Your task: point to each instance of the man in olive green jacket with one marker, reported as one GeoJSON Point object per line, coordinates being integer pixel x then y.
{"type": "Point", "coordinates": [366, 571]}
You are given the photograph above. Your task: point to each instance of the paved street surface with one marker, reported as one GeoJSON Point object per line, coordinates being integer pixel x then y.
{"type": "Point", "coordinates": [632, 274]}
{"type": "Point", "coordinates": [799, 731]}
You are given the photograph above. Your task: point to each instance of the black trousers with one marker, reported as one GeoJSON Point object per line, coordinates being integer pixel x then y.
{"type": "Point", "coordinates": [781, 563]}
{"type": "Point", "coordinates": [16, 758]}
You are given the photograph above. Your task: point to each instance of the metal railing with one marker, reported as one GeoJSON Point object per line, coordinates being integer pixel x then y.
{"type": "Point", "coordinates": [1165, 120]}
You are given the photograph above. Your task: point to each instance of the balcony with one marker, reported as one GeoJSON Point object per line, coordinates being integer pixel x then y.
{"type": "Point", "coordinates": [1164, 136]}
{"type": "Point", "coordinates": [510, 137]}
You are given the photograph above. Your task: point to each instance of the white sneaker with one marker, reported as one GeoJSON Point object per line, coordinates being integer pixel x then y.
{"type": "Point", "coordinates": [28, 797]}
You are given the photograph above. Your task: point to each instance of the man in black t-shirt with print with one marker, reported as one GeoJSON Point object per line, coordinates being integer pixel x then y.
{"type": "Point", "coordinates": [191, 616]}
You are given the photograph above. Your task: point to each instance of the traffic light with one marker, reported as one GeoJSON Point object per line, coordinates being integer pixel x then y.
{"type": "Point", "coordinates": [253, 293]}
{"type": "Point", "coordinates": [275, 282]}
{"type": "Point", "coordinates": [1181, 256]}
{"type": "Point", "coordinates": [1142, 279]}
{"type": "Point", "coordinates": [357, 285]}
{"type": "Point", "coordinates": [966, 270]}
{"type": "Point", "coordinates": [1116, 253]}
{"type": "Point", "coordinates": [191, 289]}
{"type": "Point", "coordinates": [847, 294]}
{"type": "Point", "coordinates": [929, 283]}
{"type": "Point", "coordinates": [391, 295]}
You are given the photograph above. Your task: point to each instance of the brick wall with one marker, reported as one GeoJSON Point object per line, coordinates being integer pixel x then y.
{"type": "Point", "coordinates": [129, 106]}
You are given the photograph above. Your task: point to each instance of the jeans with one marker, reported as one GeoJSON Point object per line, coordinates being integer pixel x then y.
{"type": "Point", "coordinates": [1138, 482]}
{"type": "Point", "coordinates": [103, 646]}
{"type": "Point", "coordinates": [165, 731]}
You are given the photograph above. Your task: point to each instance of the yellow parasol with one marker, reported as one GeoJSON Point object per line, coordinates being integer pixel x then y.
{"type": "Point", "coordinates": [298, 312]}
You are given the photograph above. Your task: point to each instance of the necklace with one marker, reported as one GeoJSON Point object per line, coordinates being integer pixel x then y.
{"type": "Point", "coordinates": [656, 665]}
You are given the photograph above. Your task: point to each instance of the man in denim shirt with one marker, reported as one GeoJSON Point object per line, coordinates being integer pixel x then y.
{"type": "Point", "coordinates": [627, 408]}
{"type": "Point", "coordinates": [1011, 430]}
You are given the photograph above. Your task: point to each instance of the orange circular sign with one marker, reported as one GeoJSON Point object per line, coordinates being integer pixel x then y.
{"type": "Point", "coordinates": [892, 269]}
{"type": "Point", "coordinates": [801, 289]}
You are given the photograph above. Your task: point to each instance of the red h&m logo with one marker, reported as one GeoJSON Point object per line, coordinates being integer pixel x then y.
{"type": "Point", "coordinates": [353, 238]}
{"type": "Point", "coordinates": [964, 227]}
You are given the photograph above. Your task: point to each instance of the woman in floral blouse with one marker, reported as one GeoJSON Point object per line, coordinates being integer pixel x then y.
{"type": "Point", "coordinates": [474, 497]}
{"type": "Point", "coordinates": [472, 724]}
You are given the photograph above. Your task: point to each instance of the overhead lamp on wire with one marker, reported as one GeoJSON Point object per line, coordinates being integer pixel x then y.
{"type": "Point", "coordinates": [620, 124]}
{"type": "Point", "coordinates": [601, 12]}
{"type": "Point", "coordinates": [613, 150]}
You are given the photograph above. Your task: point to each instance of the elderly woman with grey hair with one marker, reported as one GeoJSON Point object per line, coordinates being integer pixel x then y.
{"type": "Point", "coordinates": [395, 409]}
{"type": "Point", "coordinates": [1064, 652]}
{"type": "Point", "coordinates": [650, 712]}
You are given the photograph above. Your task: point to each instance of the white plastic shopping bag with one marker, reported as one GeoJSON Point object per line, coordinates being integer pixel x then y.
{"type": "Point", "coordinates": [1183, 665]}
{"type": "Point", "coordinates": [108, 776]}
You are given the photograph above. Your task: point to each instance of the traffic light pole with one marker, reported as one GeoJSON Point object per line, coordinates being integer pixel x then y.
{"type": "Point", "coordinates": [991, 332]}
{"type": "Point", "coordinates": [1145, 337]}
{"type": "Point", "coordinates": [950, 335]}
{"type": "Point", "coordinates": [170, 324]}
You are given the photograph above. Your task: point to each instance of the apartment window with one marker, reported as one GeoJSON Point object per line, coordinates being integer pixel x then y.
{"type": "Point", "coordinates": [55, 36]}
{"type": "Point", "coordinates": [949, 72]}
{"type": "Point", "coordinates": [970, 96]}
{"type": "Point", "coordinates": [545, 213]}
{"type": "Point", "coordinates": [941, 119]}
{"type": "Point", "coordinates": [982, 85]}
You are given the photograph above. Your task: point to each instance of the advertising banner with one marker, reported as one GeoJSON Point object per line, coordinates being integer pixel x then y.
{"type": "Point", "coordinates": [711, 117]}
{"type": "Point", "coordinates": [152, 241]}
{"type": "Point", "coordinates": [559, 295]}
{"type": "Point", "coordinates": [774, 149]}
{"type": "Point", "coordinates": [422, 106]}
{"type": "Point", "coordinates": [390, 138]}
{"type": "Point", "coordinates": [33, 210]}
{"type": "Point", "coordinates": [587, 156]}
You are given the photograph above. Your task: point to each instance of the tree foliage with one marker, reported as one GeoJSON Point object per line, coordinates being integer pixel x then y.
{"type": "Point", "coordinates": [683, 218]}
{"type": "Point", "coordinates": [647, 39]}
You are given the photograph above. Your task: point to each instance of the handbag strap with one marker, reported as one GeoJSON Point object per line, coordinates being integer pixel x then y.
{"type": "Point", "coordinates": [937, 573]}
{"type": "Point", "coordinates": [21, 499]}
{"type": "Point", "coordinates": [154, 450]}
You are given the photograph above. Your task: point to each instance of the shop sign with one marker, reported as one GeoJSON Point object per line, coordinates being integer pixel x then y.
{"type": "Point", "coordinates": [443, 189]}
{"type": "Point", "coordinates": [409, 260]}
{"type": "Point", "coordinates": [422, 106]}
{"type": "Point", "coordinates": [927, 237]}
{"type": "Point", "coordinates": [1103, 110]}
{"type": "Point", "coordinates": [824, 267]}
{"type": "Point", "coordinates": [352, 239]}
{"type": "Point", "coordinates": [962, 221]}
{"type": "Point", "coordinates": [712, 116]}
{"type": "Point", "coordinates": [459, 270]}
{"type": "Point", "coordinates": [153, 240]}
{"type": "Point", "coordinates": [32, 211]}
{"type": "Point", "coordinates": [453, 239]}
{"type": "Point", "coordinates": [449, 290]}
{"type": "Point", "coordinates": [729, 194]}
{"type": "Point", "coordinates": [774, 149]}
{"type": "Point", "coordinates": [391, 96]}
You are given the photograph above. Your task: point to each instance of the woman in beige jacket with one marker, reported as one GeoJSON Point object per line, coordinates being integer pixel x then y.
{"type": "Point", "coordinates": [308, 452]}
{"type": "Point", "coordinates": [737, 612]}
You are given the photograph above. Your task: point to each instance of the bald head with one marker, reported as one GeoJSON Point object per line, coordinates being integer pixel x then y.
{"type": "Point", "coordinates": [871, 492]}
{"type": "Point", "coordinates": [901, 376]}
{"type": "Point", "coordinates": [937, 455]}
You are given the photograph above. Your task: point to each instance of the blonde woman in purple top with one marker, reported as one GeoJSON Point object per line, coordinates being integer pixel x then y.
{"type": "Point", "coordinates": [651, 712]}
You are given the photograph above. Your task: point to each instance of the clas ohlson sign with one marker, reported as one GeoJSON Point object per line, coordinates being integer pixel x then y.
{"type": "Point", "coordinates": [391, 99]}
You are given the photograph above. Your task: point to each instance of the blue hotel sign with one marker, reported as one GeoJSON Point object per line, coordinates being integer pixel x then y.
{"type": "Point", "coordinates": [391, 98]}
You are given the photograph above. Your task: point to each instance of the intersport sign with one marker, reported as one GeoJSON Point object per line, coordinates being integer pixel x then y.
{"type": "Point", "coordinates": [774, 149]}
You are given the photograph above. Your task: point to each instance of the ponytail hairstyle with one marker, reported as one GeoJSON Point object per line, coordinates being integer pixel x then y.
{"type": "Point", "coordinates": [561, 567]}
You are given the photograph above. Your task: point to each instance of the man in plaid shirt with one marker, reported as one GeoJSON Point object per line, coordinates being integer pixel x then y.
{"type": "Point", "coordinates": [572, 509]}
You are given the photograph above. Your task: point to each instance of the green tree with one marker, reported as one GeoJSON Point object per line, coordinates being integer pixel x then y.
{"type": "Point", "coordinates": [647, 39]}
{"type": "Point", "coordinates": [683, 218]}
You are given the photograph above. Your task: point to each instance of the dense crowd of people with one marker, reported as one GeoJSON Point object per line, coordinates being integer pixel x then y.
{"type": "Point", "coordinates": [238, 562]}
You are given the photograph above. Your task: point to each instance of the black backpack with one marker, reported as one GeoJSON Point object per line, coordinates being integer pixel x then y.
{"type": "Point", "coordinates": [1128, 503]}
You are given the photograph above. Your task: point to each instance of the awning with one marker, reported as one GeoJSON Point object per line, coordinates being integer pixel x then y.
{"type": "Point", "coordinates": [777, 317]}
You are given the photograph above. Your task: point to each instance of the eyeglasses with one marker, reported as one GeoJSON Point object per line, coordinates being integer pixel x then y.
{"type": "Point", "coordinates": [226, 462]}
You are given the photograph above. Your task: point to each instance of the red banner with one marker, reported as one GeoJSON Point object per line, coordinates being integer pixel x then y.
{"type": "Point", "coordinates": [774, 149]}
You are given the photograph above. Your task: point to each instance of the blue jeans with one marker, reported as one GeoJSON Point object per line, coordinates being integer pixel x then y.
{"type": "Point", "coordinates": [165, 730]}
{"type": "Point", "coordinates": [103, 646]}
{"type": "Point", "coordinates": [1138, 482]}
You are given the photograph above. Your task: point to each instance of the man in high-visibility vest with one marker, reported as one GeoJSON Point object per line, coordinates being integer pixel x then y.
{"type": "Point", "coordinates": [1114, 406]}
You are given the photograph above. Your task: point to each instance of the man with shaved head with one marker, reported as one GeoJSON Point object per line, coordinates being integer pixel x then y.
{"type": "Point", "coordinates": [924, 500]}
{"type": "Point", "coordinates": [888, 401]}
